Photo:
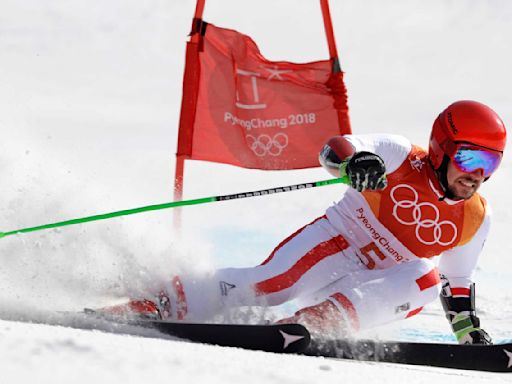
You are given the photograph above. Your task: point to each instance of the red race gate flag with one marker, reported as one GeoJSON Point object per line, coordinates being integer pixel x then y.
{"type": "Point", "coordinates": [239, 108]}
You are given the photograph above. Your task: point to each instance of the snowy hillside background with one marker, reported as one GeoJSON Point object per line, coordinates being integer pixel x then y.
{"type": "Point", "coordinates": [89, 105]}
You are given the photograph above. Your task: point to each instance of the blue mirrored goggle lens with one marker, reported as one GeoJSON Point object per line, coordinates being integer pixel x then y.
{"type": "Point", "coordinates": [471, 159]}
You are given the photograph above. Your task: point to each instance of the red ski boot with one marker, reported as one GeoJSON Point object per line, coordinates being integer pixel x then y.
{"type": "Point", "coordinates": [160, 309]}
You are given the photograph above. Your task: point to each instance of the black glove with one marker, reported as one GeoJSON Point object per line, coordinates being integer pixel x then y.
{"type": "Point", "coordinates": [467, 329]}
{"type": "Point", "coordinates": [366, 170]}
{"type": "Point", "coordinates": [461, 313]}
{"type": "Point", "coordinates": [479, 337]}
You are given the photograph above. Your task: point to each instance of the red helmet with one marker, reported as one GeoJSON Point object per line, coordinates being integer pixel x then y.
{"type": "Point", "coordinates": [469, 122]}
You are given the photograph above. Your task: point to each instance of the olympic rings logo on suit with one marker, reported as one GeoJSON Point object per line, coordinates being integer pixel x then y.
{"type": "Point", "coordinates": [418, 221]}
{"type": "Point", "coordinates": [263, 144]}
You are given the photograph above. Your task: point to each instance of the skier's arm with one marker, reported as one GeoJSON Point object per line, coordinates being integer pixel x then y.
{"type": "Point", "coordinates": [365, 159]}
{"type": "Point", "coordinates": [456, 268]}
{"type": "Point", "coordinates": [335, 153]}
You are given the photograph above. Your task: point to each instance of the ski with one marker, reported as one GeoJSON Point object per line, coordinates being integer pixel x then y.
{"type": "Point", "coordinates": [282, 338]}
{"type": "Point", "coordinates": [492, 358]}
{"type": "Point", "coordinates": [279, 338]}
{"type": "Point", "coordinates": [295, 338]}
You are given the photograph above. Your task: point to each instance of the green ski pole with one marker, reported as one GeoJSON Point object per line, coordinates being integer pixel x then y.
{"type": "Point", "coordinates": [174, 204]}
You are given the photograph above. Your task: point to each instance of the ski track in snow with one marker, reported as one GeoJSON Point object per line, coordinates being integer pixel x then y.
{"type": "Point", "coordinates": [89, 106]}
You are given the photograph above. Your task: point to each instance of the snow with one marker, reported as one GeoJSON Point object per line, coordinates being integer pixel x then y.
{"type": "Point", "coordinates": [89, 106]}
{"type": "Point", "coordinates": [49, 354]}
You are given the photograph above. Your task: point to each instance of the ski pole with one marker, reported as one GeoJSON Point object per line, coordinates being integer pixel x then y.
{"type": "Point", "coordinates": [181, 203]}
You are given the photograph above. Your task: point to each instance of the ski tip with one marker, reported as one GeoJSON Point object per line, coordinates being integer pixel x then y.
{"type": "Point", "coordinates": [2, 234]}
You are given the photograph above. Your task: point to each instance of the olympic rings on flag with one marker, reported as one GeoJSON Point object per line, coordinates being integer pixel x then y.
{"type": "Point", "coordinates": [263, 144]}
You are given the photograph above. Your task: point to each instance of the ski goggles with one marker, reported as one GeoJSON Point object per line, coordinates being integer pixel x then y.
{"type": "Point", "coordinates": [470, 158]}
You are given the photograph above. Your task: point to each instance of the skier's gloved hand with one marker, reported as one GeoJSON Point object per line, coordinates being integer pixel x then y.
{"type": "Point", "coordinates": [365, 170]}
{"type": "Point", "coordinates": [467, 330]}
{"type": "Point", "coordinates": [478, 336]}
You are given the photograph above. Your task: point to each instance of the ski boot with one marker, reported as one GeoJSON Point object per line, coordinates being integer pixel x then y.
{"type": "Point", "coordinates": [157, 309]}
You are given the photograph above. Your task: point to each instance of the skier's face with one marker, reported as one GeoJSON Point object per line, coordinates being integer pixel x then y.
{"type": "Point", "coordinates": [463, 185]}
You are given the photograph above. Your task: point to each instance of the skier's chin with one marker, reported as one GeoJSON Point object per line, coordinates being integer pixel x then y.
{"type": "Point", "coordinates": [462, 193]}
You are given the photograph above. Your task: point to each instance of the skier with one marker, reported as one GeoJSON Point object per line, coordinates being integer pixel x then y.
{"type": "Point", "coordinates": [367, 261]}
